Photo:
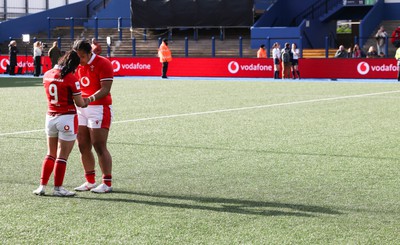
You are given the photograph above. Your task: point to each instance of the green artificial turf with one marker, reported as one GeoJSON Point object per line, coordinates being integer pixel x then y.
{"type": "Point", "coordinates": [199, 161]}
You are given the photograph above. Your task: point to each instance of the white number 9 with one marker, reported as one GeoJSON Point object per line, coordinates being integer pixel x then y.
{"type": "Point", "coordinates": [53, 93]}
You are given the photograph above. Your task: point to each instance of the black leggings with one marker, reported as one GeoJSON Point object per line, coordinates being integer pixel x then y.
{"type": "Point", "coordinates": [38, 66]}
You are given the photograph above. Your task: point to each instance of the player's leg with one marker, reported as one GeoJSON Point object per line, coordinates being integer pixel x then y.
{"type": "Point", "coordinates": [49, 160]}
{"type": "Point", "coordinates": [47, 165]}
{"type": "Point", "coordinates": [87, 158]}
{"type": "Point", "coordinates": [67, 128]}
{"type": "Point", "coordinates": [64, 149]}
{"type": "Point", "coordinates": [99, 141]}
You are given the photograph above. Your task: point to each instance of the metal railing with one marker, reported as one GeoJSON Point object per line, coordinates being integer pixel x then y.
{"type": "Point", "coordinates": [185, 46]}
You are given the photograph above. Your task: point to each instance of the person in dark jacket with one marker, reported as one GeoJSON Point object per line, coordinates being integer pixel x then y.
{"type": "Point", "coordinates": [54, 54]}
{"type": "Point", "coordinates": [13, 51]}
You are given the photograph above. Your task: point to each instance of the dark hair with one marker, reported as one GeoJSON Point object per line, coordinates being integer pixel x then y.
{"type": "Point", "coordinates": [262, 46]}
{"type": "Point", "coordinates": [82, 45]}
{"type": "Point", "coordinates": [69, 62]}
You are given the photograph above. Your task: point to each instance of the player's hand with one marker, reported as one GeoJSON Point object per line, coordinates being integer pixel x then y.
{"type": "Point", "coordinates": [87, 102]}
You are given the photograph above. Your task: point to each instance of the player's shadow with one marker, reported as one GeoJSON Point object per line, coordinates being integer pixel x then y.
{"type": "Point", "coordinates": [225, 205]}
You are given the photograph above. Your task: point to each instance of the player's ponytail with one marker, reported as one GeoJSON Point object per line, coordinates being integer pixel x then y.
{"type": "Point", "coordinates": [69, 62]}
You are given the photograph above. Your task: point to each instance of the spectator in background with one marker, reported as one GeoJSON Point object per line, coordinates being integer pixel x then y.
{"type": "Point", "coordinates": [381, 36]}
{"type": "Point", "coordinates": [165, 57]}
{"type": "Point", "coordinates": [397, 56]}
{"type": "Point", "coordinates": [295, 61]}
{"type": "Point", "coordinates": [372, 52]}
{"type": "Point", "coordinates": [349, 53]}
{"type": "Point", "coordinates": [276, 56]}
{"type": "Point", "coordinates": [395, 38]}
{"type": "Point", "coordinates": [54, 54]}
{"type": "Point", "coordinates": [262, 53]}
{"type": "Point", "coordinates": [37, 58]}
{"type": "Point", "coordinates": [96, 47]}
{"type": "Point", "coordinates": [13, 51]}
{"type": "Point", "coordinates": [287, 57]}
{"type": "Point", "coordinates": [357, 52]}
{"type": "Point", "coordinates": [341, 52]}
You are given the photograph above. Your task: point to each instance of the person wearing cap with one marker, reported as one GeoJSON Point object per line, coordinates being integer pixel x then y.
{"type": "Point", "coordinates": [165, 57]}
{"type": "Point", "coordinates": [262, 53]}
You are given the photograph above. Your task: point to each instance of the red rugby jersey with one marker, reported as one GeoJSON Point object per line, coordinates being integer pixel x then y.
{"type": "Point", "coordinates": [60, 92]}
{"type": "Point", "coordinates": [90, 75]}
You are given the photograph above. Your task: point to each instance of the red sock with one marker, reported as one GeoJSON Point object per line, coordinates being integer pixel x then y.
{"type": "Point", "coordinates": [107, 179]}
{"type": "Point", "coordinates": [59, 171]}
{"type": "Point", "coordinates": [47, 169]}
{"type": "Point", "coordinates": [90, 176]}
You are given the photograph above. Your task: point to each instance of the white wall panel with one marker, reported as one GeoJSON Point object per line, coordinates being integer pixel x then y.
{"type": "Point", "coordinates": [56, 3]}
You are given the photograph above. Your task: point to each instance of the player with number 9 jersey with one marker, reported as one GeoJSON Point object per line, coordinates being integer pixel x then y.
{"type": "Point", "coordinates": [63, 92]}
{"type": "Point", "coordinates": [60, 92]}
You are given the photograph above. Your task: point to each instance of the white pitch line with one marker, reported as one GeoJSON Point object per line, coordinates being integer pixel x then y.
{"type": "Point", "coordinates": [23, 132]}
{"type": "Point", "coordinates": [255, 107]}
{"type": "Point", "coordinates": [229, 110]}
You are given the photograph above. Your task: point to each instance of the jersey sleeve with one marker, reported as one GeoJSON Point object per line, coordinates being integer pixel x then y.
{"type": "Point", "coordinates": [74, 84]}
{"type": "Point", "coordinates": [106, 71]}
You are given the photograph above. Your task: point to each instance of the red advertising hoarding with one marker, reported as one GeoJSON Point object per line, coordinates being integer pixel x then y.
{"type": "Point", "coordinates": [236, 67]}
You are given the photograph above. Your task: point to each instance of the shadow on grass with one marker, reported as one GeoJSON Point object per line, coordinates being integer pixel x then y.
{"type": "Point", "coordinates": [10, 82]}
{"type": "Point", "coordinates": [224, 205]}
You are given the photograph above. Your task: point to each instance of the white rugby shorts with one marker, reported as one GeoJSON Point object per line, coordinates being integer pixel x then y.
{"type": "Point", "coordinates": [95, 116]}
{"type": "Point", "coordinates": [64, 127]}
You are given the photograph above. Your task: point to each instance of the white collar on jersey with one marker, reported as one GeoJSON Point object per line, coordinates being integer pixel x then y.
{"type": "Point", "coordinates": [91, 58]}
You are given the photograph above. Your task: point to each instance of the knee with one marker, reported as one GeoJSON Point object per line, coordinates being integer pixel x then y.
{"type": "Point", "coordinates": [84, 147]}
{"type": "Point", "coordinates": [100, 148]}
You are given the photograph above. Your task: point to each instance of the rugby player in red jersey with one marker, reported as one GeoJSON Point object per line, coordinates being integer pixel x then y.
{"type": "Point", "coordinates": [95, 74]}
{"type": "Point", "coordinates": [62, 90]}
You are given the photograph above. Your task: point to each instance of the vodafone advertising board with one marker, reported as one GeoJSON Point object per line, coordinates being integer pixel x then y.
{"type": "Point", "coordinates": [237, 67]}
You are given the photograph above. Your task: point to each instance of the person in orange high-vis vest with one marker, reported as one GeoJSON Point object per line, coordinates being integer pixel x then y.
{"type": "Point", "coordinates": [262, 53]}
{"type": "Point", "coordinates": [165, 56]}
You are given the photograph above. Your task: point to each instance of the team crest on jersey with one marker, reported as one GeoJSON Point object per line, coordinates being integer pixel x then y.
{"type": "Point", "coordinates": [66, 128]}
{"type": "Point", "coordinates": [97, 121]}
{"type": "Point", "coordinates": [91, 67]}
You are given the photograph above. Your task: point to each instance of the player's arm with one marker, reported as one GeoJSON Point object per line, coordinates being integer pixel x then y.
{"type": "Point", "coordinates": [80, 101]}
{"type": "Point", "coordinates": [103, 91]}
